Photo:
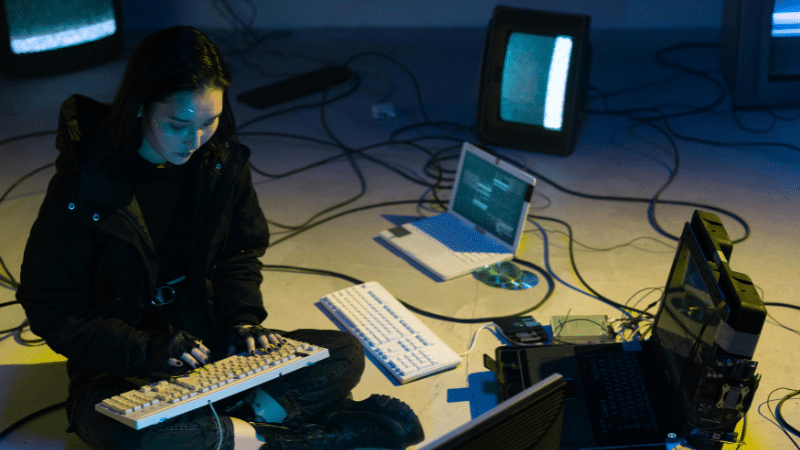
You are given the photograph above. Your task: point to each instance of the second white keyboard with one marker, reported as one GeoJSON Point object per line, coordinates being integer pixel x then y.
{"type": "Point", "coordinates": [400, 342]}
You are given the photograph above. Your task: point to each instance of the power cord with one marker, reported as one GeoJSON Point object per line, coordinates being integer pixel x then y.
{"type": "Point", "coordinates": [787, 429]}
{"type": "Point", "coordinates": [30, 417]}
{"type": "Point", "coordinates": [548, 294]}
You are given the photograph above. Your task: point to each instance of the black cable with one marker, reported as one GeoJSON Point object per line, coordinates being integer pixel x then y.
{"type": "Point", "coordinates": [411, 76]}
{"type": "Point", "coordinates": [330, 273]}
{"type": "Point", "coordinates": [782, 305]}
{"type": "Point", "coordinates": [9, 279]}
{"type": "Point", "coordinates": [548, 278]}
{"type": "Point", "coordinates": [659, 56]}
{"type": "Point", "coordinates": [779, 413]}
{"type": "Point", "coordinates": [594, 292]}
{"type": "Point", "coordinates": [779, 424]}
{"type": "Point", "coordinates": [29, 418]}
{"type": "Point", "coordinates": [343, 213]}
{"type": "Point", "coordinates": [27, 136]}
{"type": "Point", "coordinates": [732, 215]}
{"type": "Point", "coordinates": [659, 115]}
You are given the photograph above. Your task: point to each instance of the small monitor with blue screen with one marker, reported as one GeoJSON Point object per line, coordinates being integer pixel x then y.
{"type": "Point", "coordinates": [534, 80]}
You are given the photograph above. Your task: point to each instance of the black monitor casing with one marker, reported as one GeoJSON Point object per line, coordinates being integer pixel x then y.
{"type": "Point", "coordinates": [531, 419]}
{"type": "Point", "coordinates": [491, 128]}
{"type": "Point", "coordinates": [761, 71]}
{"type": "Point", "coordinates": [62, 60]}
{"type": "Point", "coordinates": [717, 383]}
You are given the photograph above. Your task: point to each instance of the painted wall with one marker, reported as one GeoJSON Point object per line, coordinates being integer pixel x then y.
{"type": "Point", "coordinates": [292, 14]}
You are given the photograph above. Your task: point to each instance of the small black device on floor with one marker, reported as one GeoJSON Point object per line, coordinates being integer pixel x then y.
{"type": "Point", "coordinates": [522, 330]}
{"type": "Point", "coordinates": [295, 87]}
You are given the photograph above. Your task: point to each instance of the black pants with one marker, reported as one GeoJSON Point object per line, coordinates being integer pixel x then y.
{"type": "Point", "coordinates": [302, 394]}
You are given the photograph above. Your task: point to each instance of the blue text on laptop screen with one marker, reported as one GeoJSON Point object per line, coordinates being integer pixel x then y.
{"type": "Point", "coordinates": [490, 197]}
{"type": "Point", "coordinates": [534, 79]}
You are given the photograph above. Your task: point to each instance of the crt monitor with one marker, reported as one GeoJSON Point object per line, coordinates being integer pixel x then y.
{"type": "Point", "coordinates": [48, 37]}
{"type": "Point", "coordinates": [530, 420]}
{"type": "Point", "coordinates": [534, 79]}
{"type": "Point", "coordinates": [759, 46]}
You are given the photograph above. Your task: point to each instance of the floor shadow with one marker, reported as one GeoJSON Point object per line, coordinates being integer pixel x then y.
{"type": "Point", "coordinates": [27, 389]}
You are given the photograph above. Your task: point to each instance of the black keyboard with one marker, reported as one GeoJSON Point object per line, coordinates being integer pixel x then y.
{"type": "Point", "coordinates": [615, 384]}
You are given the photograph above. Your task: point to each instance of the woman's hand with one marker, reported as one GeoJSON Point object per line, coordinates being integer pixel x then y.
{"type": "Point", "coordinates": [169, 355]}
{"type": "Point", "coordinates": [248, 336]}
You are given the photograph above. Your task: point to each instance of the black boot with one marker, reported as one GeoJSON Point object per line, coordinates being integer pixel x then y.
{"type": "Point", "coordinates": [378, 421]}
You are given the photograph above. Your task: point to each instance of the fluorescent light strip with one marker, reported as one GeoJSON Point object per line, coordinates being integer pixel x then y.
{"type": "Point", "coordinates": [786, 18]}
{"type": "Point", "coordinates": [66, 38]}
{"type": "Point", "coordinates": [786, 24]}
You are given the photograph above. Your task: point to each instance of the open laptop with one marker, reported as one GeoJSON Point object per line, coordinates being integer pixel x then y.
{"type": "Point", "coordinates": [693, 380]}
{"type": "Point", "coordinates": [483, 224]}
{"type": "Point", "coordinates": [529, 420]}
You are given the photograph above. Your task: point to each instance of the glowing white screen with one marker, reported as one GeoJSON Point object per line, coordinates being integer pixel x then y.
{"type": "Point", "coordinates": [557, 83]}
{"type": "Point", "coordinates": [786, 18]}
{"type": "Point", "coordinates": [534, 79]}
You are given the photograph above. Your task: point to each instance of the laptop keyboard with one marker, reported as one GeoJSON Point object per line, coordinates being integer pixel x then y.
{"type": "Point", "coordinates": [616, 383]}
{"type": "Point", "coordinates": [436, 249]}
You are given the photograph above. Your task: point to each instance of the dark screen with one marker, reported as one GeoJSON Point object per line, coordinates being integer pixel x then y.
{"type": "Point", "coordinates": [688, 321]}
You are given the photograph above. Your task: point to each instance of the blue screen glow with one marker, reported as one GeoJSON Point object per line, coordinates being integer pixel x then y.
{"type": "Point", "coordinates": [535, 79]}
{"type": "Point", "coordinates": [39, 25]}
{"type": "Point", "coordinates": [786, 18]}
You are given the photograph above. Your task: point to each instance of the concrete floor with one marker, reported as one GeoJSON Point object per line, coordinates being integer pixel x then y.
{"type": "Point", "coordinates": [617, 251]}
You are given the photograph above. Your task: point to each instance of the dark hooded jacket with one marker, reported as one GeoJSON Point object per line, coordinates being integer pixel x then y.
{"type": "Point", "coordinates": [89, 271]}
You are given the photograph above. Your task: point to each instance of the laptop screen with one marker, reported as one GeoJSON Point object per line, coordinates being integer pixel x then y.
{"type": "Point", "coordinates": [491, 196]}
{"type": "Point", "coordinates": [688, 321]}
{"type": "Point", "coordinates": [531, 419]}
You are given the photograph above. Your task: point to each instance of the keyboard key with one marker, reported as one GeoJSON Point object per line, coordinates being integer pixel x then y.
{"type": "Point", "coordinates": [159, 401]}
{"type": "Point", "coordinates": [399, 341]}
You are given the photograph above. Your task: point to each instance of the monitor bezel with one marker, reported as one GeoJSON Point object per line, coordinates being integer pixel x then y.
{"type": "Point", "coordinates": [62, 60]}
{"type": "Point", "coordinates": [745, 47]}
{"type": "Point", "coordinates": [491, 128]}
{"type": "Point", "coordinates": [499, 415]}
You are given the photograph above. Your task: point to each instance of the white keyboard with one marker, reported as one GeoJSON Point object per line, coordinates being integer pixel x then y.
{"type": "Point", "coordinates": [160, 401]}
{"type": "Point", "coordinates": [402, 344]}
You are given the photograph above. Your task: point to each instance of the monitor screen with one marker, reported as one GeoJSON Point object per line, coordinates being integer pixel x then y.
{"type": "Point", "coordinates": [32, 28]}
{"type": "Point", "coordinates": [491, 198]}
{"type": "Point", "coordinates": [531, 419]}
{"type": "Point", "coordinates": [707, 329]}
{"type": "Point", "coordinates": [534, 79]}
{"type": "Point", "coordinates": [785, 41]}
{"type": "Point", "coordinates": [54, 36]}
{"type": "Point", "coordinates": [688, 320]}
{"type": "Point", "coordinates": [759, 46]}
{"type": "Point", "coordinates": [786, 18]}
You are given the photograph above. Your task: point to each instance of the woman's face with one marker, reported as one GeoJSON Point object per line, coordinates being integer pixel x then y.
{"type": "Point", "coordinates": [175, 128]}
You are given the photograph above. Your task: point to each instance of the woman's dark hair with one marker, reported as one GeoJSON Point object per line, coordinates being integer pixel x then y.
{"type": "Point", "coordinates": [168, 61]}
